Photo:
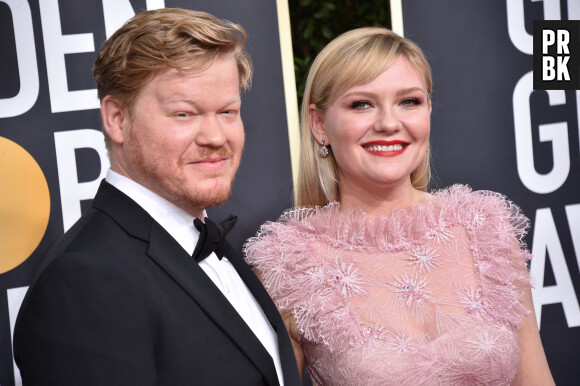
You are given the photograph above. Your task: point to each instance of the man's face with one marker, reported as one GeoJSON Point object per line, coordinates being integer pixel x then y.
{"type": "Point", "coordinates": [184, 137]}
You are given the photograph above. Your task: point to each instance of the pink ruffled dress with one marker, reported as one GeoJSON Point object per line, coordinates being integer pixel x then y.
{"type": "Point", "coordinates": [430, 295]}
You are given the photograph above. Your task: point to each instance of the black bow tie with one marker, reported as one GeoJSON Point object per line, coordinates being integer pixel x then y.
{"type": "Point", "coordinates": [212, 237]}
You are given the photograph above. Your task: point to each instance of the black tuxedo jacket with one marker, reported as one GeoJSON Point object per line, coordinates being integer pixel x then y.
{"type": "Point", "coordinates": [119, 302]}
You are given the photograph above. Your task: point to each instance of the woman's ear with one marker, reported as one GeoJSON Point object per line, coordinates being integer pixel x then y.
{"type": "Point", "coordinates": [317, 124]}
{"type": "Point", "coordinates": [113, 116]}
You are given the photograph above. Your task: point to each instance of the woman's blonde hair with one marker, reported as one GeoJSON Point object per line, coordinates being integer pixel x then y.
{"type": "Point", "coordinates": [354, 58]}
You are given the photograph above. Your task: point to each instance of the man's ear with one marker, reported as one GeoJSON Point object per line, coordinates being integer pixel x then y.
{"type": "Point", "coordinates": [317, 124]}
{"type": "Point", "coordinates": [113, 116]}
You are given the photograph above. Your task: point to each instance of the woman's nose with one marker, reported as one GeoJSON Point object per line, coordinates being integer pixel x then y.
{"type": "Point", "coordinates": [387, 121]}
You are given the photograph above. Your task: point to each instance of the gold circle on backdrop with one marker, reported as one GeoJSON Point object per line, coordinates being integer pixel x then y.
{"type": "Point", "coordinates": [24, 205]}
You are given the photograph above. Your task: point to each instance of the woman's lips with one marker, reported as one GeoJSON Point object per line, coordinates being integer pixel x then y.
{"type": "Point", "coordinates": [385, 148]}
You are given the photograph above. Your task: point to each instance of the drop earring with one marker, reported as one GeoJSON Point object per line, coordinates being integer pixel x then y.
{"type": "Point", "coordinates": [323, 150]}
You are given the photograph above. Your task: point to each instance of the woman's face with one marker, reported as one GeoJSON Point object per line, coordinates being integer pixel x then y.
{"type": "Point", "coordinates": [378, 131]}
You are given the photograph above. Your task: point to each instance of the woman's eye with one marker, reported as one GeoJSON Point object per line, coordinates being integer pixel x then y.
{"type": "Point", "coordinates": [411, 102]}
{"type": "Point", "coordinates": [360, 105]}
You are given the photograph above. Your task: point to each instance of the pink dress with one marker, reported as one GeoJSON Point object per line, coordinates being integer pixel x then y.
{"type": "Point", "coordinates": [430, 295]}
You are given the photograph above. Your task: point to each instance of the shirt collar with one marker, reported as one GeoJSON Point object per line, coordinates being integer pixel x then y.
{"type": "Point", "coordinates": [176, 221]}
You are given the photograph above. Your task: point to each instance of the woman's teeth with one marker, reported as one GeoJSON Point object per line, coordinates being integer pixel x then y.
{"type": "Point", "coordinates": [384, 148]}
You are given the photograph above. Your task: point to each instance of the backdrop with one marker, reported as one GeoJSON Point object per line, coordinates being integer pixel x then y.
{"type": "Point", "coordinates": [489, 129]}
{"type": "Point", "coordinates": [492, 131]}
{"type": "Point", "coordinates": [52, 155]}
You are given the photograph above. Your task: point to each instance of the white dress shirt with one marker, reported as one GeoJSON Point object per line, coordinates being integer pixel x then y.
{"type": "Point", "coordinates": [179, 224]}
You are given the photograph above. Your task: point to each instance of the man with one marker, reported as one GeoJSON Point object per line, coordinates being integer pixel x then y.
{"type": "Point", "coordinates": [121, 300]}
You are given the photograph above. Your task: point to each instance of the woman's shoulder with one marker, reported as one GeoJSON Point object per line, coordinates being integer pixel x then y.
{"type": "Point", "coordinates": [282, 246]}
{"type": "Point", "coordinates": [496, 228]}
{"type": "Point", "coordinates": [295, 225]}
{"type": "Point", "coordinates": [477, 207]}
{"type": "Point", "coordinates": [492, 221]}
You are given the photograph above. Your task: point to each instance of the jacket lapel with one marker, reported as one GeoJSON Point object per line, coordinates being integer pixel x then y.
{"type": "Point", "coordinates": [181, 267]}
{"type": "Point", "coordinates": [169, 255]}
{"type": "Point", "coordinates": [289, 366]}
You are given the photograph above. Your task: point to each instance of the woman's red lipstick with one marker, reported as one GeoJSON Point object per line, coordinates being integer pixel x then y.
{"type": "Point", "coordinates": [385, 148]}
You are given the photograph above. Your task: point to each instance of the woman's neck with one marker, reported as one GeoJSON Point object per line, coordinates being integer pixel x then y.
{"type": "Point", "coordinates": [381, 201]}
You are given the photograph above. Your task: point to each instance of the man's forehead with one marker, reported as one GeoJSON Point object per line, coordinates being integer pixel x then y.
{"type": "Point", "coordinates": [174, 86]}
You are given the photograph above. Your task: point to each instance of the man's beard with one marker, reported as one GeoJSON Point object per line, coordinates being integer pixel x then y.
{"type": "Point", "coordinates": [174, 189]}
{"type": "Point", "coordinates": [206, 198]}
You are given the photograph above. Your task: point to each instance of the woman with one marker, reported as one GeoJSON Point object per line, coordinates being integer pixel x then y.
{"type": "Point", "coordinates": [380, 282]}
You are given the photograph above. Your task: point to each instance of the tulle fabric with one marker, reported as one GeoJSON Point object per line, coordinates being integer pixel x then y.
{"type": "Point", "coordinates": [425, 296]}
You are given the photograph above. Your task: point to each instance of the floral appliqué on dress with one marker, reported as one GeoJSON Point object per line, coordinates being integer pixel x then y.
{"type": "Point", "coordinates": [430, 295]}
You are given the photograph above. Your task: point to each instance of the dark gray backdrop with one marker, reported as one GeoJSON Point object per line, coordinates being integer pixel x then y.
{"type": "Point", "coordinates": [264, 184]}
{"type": "Point", "coordinates": [486, 126]}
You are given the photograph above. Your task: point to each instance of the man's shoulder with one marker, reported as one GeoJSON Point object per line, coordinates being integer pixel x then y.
{"type": "Point", "coordinates": [98, 236]}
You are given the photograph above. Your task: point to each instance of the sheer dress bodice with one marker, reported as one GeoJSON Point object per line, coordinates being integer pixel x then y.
{"type": "Point", "coordinates": [428, 295]}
